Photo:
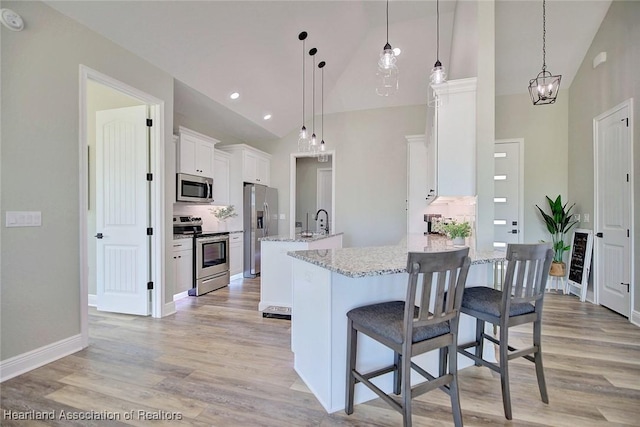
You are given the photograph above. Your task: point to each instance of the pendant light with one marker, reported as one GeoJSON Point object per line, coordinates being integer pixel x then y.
{"type": "Point", "coordinates": [313, 143]}
{"type": "Point", "coordinates": [387, 74]}
{"type": "Point", "coordinates": [323, 157]}
{"type": "Point", "coordinates": [303, 136]}
{"type": "Point", "coordinates": [544, 88]}
{"type": "Point", "coordinates": [438, 74]}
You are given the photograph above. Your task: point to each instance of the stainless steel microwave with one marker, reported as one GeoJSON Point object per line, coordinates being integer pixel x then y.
{"type": "Point", "coordinates": [194, 189]}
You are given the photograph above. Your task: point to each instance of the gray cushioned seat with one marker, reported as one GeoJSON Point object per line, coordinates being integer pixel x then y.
{"type": "Point", "coordinates": [387, 319]}
{"type": "Point", "coordinates": [488, 300]}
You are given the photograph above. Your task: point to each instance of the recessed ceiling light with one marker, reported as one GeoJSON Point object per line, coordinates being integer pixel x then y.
{"type": "Point", "coordinates": [234, 95]}
{"type": "Point", "coordinates": [397, 51]}
{"type": "Point", "coordinates": [267, 116]}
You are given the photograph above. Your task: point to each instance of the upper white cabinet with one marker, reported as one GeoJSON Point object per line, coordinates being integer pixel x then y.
{"type": "Point", "coordinates": [221, 178]}
{"type": "Point", "coordinates": [256, 164]}
{"type": "Point", "coordinates": [196, 153]}
{"type": "Point", "coordinates": [454, 149]}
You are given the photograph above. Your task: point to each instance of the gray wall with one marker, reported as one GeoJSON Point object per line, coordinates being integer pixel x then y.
{"type": "Point", "coordinates": [371, 171]}
{"type": "Point", "coordinates": [595, 91]}
{"type": "Point", "coordinates": [545, 133]}
{"type": "Point", "coordinates": [40, 283]}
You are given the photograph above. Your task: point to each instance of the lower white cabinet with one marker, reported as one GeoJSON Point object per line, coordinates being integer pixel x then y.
{"type": "Point", "coordinates": [182, 265]}
{"type": "Point", "coordinates": [236, 253]}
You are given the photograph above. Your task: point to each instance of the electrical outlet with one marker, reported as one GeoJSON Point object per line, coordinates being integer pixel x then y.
{"type": "Point", "coordinates": [282, 216]}
{"type": "Point", "coordinates": [576, 217]}
{"type": "Point", "coordinates": [586, 217]}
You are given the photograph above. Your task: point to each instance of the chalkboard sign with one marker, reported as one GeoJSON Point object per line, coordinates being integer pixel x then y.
{"type": "Point", "coordinates": [580, 260]}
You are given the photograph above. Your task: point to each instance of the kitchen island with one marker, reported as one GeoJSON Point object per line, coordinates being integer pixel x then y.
{"type": "Point", "coordinates": [328, 283]}
{"type": "Point", "coordinates": [275, 277]}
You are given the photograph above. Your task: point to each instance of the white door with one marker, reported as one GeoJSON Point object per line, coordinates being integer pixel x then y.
{"type": "Point", "coordinates": [507, 223]}
{"type": "Point", "coordinates": [122, 250]}
{"type": "Point", "coordinates": [613, 210]}
{"type": "Point", "coordinates": [323, 198]}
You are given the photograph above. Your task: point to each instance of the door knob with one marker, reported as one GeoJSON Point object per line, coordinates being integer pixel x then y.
{"type": "Point", "coordinates": [599, 235]}
{"type": "Point", "coordinates": [99, 236]}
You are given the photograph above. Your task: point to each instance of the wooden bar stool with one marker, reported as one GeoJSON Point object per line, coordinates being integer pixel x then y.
{"type": "Point", "coordinates": [427, 321]}
{"type": "Point", "coordinates": [519, 302]}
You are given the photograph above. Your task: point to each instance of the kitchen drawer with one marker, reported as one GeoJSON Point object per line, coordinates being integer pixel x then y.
{"type": "Point", "coordinates": [235, 238]}
{"type": "Point", "coordinates": [182, 244]}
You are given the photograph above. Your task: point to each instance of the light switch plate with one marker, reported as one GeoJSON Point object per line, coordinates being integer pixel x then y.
{"type": "Point", "coordinates": [23, 219]}
{"type": "Point", "coordinates": [586, 217]}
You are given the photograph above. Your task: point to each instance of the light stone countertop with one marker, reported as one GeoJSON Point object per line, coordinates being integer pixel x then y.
{"type": "Point", "coordinates": [381, 260]}
{"type": "Point", "coordinates": [297, 238]}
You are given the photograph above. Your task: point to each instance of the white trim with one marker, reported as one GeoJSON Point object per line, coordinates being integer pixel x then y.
{"type": "Point", "coordinates": [596, 286]}
{"type": "Point", "coordinates": [168, 309]}
{"type": "Point", "coordinates": [520, 141]}
{"type": "Point", "coordinates": [292, 190]}
{"type": "Point", "coordinates": [156, 113]}
{"type": "Point", "coordinates": [181, 295]}
{"type": "Point", "coordinates": [635, 318]}
{"type": "Point", "coordinates": [93, 300]}
{"type": "Point", "coordinates": [33, 359]}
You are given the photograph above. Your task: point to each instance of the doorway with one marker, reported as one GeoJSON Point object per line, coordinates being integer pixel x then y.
{"type": "Point", "coordinates": [324, 183]}
{"type": "Point", "coordinates": [100, 92]}
{"type": "Point", "coordinates": [613, 176]}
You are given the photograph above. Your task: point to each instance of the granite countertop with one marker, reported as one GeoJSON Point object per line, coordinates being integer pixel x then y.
{"type": "Point", "coordinates": [381, 260]}
{"type": "Point", "coordinates": [297, 238]}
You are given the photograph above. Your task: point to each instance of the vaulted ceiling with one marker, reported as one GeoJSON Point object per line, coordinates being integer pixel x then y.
{"type": "Point", "coordinates": [214, 48]}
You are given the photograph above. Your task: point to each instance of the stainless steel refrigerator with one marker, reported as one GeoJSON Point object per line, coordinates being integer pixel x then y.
{"type": "Point", "coordinates": [260, 220]}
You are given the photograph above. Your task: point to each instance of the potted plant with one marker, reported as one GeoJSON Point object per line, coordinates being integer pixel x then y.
{"type": "Point", "coordinates": [223, 214]}
{"type": "Point", "coordinates": [457, 231]}
{"type": "Point", "coordinates": [558, 223]}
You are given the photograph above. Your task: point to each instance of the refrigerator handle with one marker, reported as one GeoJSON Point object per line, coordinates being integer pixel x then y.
{"type": "Point", "coordinates": [266, 225]}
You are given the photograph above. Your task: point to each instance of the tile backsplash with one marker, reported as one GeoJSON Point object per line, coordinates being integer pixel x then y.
{"type": "Point", "coordinates": [209, 222]}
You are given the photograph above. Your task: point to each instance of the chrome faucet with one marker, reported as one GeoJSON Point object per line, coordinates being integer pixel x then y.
{"type": "Point", "coordinates": [326, 227]}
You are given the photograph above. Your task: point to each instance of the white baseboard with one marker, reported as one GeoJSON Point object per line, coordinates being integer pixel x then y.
{"type": "Point", "coordinates": [33, 359]}
{"type": "Point", "coordinates": [181, 295]}
{"type": "Point", "coordinates": [168, 309]}
{"type": "Point", "coordinates": [635, 317]}
{"type": "Point", "coordinates": [93, 300]}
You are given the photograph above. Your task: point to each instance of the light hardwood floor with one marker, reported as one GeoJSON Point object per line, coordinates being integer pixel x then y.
{"type": "Point", "coordinates": [217, 362]}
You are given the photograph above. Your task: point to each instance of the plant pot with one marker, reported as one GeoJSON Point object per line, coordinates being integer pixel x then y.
{"type": "Point", "coordinates": [458, 241]}
{"type": "Point", "coordinates": [558, 269]}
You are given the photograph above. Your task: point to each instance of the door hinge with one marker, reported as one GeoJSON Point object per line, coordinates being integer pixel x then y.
{"type": "Point", "coordinates": [149, 122]}
{"type": "Point", "coordinates": [627, 177]}
{"type": "Point", "coordinates": [627, 120]}
{"type": "Point", "coordinates": [628, 233]}
{"type": "Point", "coordinates": [149, 286]}
{"type": "Point", "coordinates": [149, 231]}
{"type": "Point", "coordinates": [149, 177]}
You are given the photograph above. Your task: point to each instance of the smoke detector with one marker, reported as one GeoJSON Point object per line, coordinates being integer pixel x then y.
{"type": "Point", "coordinates": [11, 20]}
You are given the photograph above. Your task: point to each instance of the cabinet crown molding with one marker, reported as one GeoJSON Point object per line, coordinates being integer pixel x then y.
{"type": "Point", "coordinates": [186, 131]}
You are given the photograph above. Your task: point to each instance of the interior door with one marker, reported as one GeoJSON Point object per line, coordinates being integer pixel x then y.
{"type": "Point", "coordinates": [613, 210]}
{"type": "Point", "coordinates": [122, 264]}
{"type": "Point", "coordinates": [507, 186]}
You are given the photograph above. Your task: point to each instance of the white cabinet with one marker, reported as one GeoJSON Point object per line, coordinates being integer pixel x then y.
{"type": "Point", "coordinates": [255, 167]}
{"type": "Point", "coordinates": [236, 253]}
{"type": "Point", "coordinates": [454, 151]}
{"type": "Point", "coordinates": [196, 153]}
{"type": "Point", "coordinates": [221, 178]}
{"type": "Point", "coordinates": [182, 265]}
{"type": "Point", "coordinates": [255, 164]}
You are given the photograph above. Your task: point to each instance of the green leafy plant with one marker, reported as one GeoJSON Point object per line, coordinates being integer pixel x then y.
{"type": "Point", "coordinates": [224, 212]}
{"type": "Point", "coordinates": [558, 223]}
{"type": "Point", "coordinates": [457, 229]}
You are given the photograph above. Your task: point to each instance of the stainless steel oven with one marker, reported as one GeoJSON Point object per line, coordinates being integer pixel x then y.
{"type": "Point", "coordinates": [211, 262]}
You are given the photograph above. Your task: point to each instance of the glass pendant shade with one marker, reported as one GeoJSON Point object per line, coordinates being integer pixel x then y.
{"type": "Point", "coordinates": [387, 58]}
{"type": "Point", "coordinates": [438, 74]}
{"type": "Point", "coordinates": [387, 74]}
{"type": "Point", "coordinates": [313, 144]}
{"type": "Point", "coordinates": [323, 157]}
{"type": "Point", "coordinates": [544, 88]}
{"type": "Point", "coordinates": [303, 140]}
